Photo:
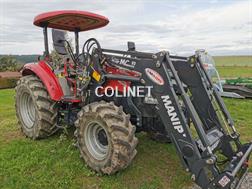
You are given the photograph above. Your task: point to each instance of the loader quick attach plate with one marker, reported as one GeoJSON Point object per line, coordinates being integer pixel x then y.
{"type": "Point", "coordinates": [71, 20]}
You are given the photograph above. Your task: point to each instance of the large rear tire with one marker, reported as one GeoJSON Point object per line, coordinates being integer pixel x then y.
{"type": "Point", "coordinates": [35, 111]}
{"type": "Point", "coordinates": [105, 137]}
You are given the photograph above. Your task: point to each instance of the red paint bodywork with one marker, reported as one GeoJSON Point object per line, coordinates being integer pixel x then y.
{"type": "Point", "coordinates": [49, 79]}
{"type": "Point", "coordinates": [117, 83]}
{"type": "Point", "coordinates": [46, 75]}
{"type": "Point", "coordinates": [71, 20]}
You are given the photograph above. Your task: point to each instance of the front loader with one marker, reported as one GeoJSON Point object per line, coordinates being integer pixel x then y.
{"type": "Point", "coordinates": [183, 106]}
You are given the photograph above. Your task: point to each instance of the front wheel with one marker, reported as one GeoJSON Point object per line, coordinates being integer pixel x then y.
{"type": "Point", "coordinates": [106, 137]}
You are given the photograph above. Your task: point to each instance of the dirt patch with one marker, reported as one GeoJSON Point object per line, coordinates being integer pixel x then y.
{"type": "Point", "coordinates": [9, 79]}
{"type": "Point", "coordinates": [10, 74]}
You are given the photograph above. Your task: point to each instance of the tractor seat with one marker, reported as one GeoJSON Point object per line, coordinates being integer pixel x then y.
{"type": "Point", "coordinates": [69, 98]}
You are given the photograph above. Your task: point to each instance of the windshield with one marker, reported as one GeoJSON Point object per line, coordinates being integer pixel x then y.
{"type": "Point", "coordinates": [207, 59]}
{"type": "Point", "coordinates": [209, 65]}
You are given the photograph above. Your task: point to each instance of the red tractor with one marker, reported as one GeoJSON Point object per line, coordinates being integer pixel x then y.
{"type": "Point", "coordinates": [95, 91]}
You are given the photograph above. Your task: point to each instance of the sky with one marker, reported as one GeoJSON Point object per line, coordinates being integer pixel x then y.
{"type": "Point", "coordinates": [180, 27]}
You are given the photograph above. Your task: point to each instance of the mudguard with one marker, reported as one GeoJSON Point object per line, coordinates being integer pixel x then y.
{"type": "Point", "coordinates": [46, 75]}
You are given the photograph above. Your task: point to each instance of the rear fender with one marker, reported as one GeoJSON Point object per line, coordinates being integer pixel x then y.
{"type": "Point", "coordinates": [46, 75]}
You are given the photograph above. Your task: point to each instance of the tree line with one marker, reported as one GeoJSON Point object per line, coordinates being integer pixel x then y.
{"type": "Point", "coordinates": [15, 62]}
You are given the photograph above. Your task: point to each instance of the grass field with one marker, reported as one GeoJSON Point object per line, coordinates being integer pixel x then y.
{"type": "Point", "coordinates": [233, 60]}
{"type": "Point", "coordinates": [234, 66]}
{"type": "Point", "coordinates": [234, 72]}
{"type": "Point", "coordinates": [55, 163]}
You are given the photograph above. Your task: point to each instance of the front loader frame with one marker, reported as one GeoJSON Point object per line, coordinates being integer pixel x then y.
{"type": "Point", "coordinates": [206, 109]}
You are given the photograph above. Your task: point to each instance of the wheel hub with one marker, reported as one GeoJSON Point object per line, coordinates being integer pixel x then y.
{"type": "Point", "coordinates": [27, 110]}
{"type": "Point", "coordinates": [96, 141]}
{"type": "Point", "coordinates": [102, 137]}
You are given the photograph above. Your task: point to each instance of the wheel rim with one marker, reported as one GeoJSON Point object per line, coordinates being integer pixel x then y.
{"type": "Point", "coordinates": [27, 110]}
{"type": "Point", "coordinates": [96, 141]}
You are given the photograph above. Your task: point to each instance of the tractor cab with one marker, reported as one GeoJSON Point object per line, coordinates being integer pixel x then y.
{"type": "Point", "coordinates": [60, 22]}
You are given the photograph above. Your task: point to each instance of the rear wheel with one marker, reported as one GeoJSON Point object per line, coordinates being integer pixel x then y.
{"type": "Point", "coordinates": [35, 111]}
{"type": "Point", "coordinates": [105, 137]}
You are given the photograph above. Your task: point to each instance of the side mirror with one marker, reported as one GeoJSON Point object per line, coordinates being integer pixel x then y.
{"type": "Point", "coordinates": [59, 39]}
{"type": "Point", "coordinates": [131, 46]}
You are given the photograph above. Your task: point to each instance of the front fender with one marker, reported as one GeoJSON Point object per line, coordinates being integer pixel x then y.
{"type": "Point", "coordinates": [46, 75]}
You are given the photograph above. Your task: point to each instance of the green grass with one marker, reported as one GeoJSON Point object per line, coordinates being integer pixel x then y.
{"type": "Point", "coordinates": [55, 163]}
{"type": "Point", "coordinates": [233, 60]}
{"type": "Point", "coordinates": [234, 66]}
{"type": "Point", "coordinates": [241, 111]}
{"type": "Point", "coordinates": [234, 72]}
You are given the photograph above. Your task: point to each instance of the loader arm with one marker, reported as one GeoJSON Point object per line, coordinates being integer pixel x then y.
{"type": "Point", "coordinates": [209, 116]}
